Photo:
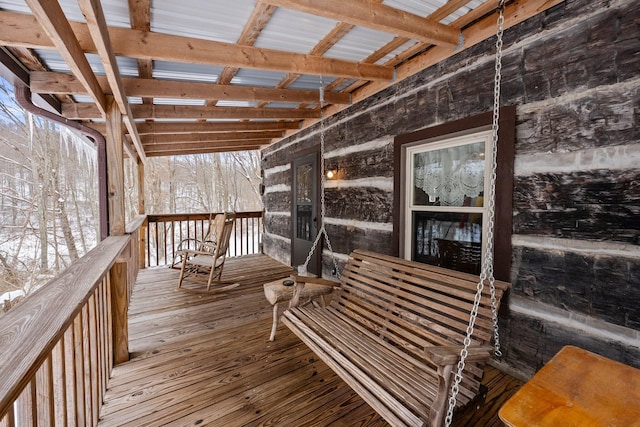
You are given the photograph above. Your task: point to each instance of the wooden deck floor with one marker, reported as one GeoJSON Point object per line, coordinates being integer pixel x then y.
{"type": "Point", "coordinates": [206, 360]}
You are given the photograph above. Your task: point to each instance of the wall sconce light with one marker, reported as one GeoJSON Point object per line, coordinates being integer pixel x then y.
{"type": "Point", "coordinates": [332, 173]}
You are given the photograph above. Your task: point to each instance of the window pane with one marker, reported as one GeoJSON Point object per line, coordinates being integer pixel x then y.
{"type": "Point", "coordinates": [446, 239]}
{"type": "Point", "coordinates": [451, 176]}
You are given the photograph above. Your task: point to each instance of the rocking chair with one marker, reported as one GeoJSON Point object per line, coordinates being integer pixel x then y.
{"type": "Point", "coordinates": [206, 265]}
{"type": "Point", "coordinates": [207, 244]}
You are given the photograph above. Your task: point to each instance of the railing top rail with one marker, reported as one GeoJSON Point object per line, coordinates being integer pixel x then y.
{"type": "Point", "coordinates": [29, 331]}
{"type": "Point", "coordinates": [135, 224]}
{"type": "Point", "coordinates": [198, 216]}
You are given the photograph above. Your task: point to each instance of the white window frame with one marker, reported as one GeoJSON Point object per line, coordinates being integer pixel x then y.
{"type": "Point", "coordinates": [407, 205]}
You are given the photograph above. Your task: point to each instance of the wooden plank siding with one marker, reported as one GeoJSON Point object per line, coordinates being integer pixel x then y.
{"type": "Point", "coordinates": [206, 360]}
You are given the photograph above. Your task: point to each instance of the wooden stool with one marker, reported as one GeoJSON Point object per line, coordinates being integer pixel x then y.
{"type": "Point", "coordinates": [276, 292]}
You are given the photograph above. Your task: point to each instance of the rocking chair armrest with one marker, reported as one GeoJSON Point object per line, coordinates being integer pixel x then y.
{"type": "Point", "coordinates": [194, 252]}
{"type": "Point", "coordinates": [449, 355]}
{"type": "Point", "coordinates": [191, 239]}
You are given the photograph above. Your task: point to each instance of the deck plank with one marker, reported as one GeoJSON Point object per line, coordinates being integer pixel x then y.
{"type": "Point", "coordinates": [206, 360]}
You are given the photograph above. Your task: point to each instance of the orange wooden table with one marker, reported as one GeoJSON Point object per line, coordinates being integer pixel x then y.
{"type": "Point", "coordinates": [577, 388]}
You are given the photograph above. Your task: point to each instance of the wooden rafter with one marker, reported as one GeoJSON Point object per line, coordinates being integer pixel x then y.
{"type": "Point", "coordinates": [92, 10]}
{"type": "Point", "coordinates": [62, 83]}
{"type": "Point", "coordinates": [49, 17]}
{"type": "Point", "coordinates": [256, 23]}
{"type": "Point", "coordinates": [337, 33]}
{"type": "Point", "coordinates": [23, 30]}
{"type": "Point", "coordinates": [373, 14]}
{"type": "Point", "coordinates": [140, 16]}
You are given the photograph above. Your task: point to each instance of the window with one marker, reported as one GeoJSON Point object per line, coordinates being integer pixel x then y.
{"type": "Point", "coordinates": [441, 176]}
{"type": "Point", "coordinates": [444, 206]}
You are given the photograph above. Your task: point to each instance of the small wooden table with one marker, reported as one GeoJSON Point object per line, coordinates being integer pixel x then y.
{"type": "Point", "coordinates": [577, 388]}
{"type": "Point", "coordinates": [276, 292]}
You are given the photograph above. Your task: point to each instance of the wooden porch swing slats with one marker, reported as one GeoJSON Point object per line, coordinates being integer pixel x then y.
{"type": "Point", "coordinates": [394, 332]}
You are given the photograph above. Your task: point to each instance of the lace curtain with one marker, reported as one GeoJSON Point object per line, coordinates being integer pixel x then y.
{"type": "Point", "coordinates": [451, 176]}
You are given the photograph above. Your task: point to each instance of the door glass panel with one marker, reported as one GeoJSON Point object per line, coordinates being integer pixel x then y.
{"type": "Point", "coordinates": [303, 225]}
{"type": "Point", "coordinates": [304, 195]}
{"type": "Point", "coordinates": [304, 181]}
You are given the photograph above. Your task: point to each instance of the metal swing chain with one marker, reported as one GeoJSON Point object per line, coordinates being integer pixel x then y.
{"type": "Point", "coordinates": [487, 265]}
{"type": "Point", "coordinates": [322, 231]}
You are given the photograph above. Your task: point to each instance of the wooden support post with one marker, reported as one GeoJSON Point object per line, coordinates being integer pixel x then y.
{"type": "Point", "coordinates": [119, 276]}
{"type": "Point", "coordinates": [142, 233]}
{"type": "Point", "coordinates": [115, 165]}
{"type": "Point", "coordinates": [119, 308]}
{"type": "Point", "coordinates": [140, 187]}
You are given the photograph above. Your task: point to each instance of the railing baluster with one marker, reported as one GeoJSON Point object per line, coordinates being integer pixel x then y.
{"type": "Point", "coordinates": [59, 384]}
{"type": "Point", "coordinates": [79, 369]}
{"type": "Point", "coordinates": [93, 351]}
{"type": "Point", "coordinates": [99, 342]}
{"type": "Point", "coordinates": [70, 376]}
{"type": "Point", "coordinates": [86, 366]}
{"type": "Point", "coordinates": [157, 244]}
{"type": "Point", "coordinates": [27, 415]}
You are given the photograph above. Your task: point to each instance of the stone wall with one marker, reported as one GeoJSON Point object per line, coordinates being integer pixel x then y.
{"type": "Point", "coordinates": [573, 74]}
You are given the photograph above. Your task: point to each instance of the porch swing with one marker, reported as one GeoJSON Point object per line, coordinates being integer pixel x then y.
{"type": "Point", "coordinates": [397, 330]}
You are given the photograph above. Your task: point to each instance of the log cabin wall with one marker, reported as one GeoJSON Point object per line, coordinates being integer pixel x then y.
{"type": "Point", "coordinates": [573, 74]}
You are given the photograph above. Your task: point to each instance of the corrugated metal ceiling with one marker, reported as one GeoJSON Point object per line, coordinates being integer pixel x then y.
{"type": "Point", "coordinates": [268, 32]}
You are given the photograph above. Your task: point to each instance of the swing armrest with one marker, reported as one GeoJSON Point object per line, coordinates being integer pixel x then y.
{"type": "Point", "coordinates": [301, 281]}
{"type": "Point", "coordinates": [315, 280]}
{"type": "Point", "coordinates": [450, 355]}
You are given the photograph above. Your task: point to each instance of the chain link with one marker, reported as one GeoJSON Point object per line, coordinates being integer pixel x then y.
{"type": "Point", "coordinates": [487, 264]}
{"type": "Point", "coordinates": [323, 230]}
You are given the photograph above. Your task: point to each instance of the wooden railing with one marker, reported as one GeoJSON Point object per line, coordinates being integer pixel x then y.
{"type": "Point", "coordinates": [58, 346]}
{"type": "Point", "coordinates": [165, 232]}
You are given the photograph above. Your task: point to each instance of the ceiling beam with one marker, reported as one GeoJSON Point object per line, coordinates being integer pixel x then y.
{"type": "Point", "coordinates": [147, 128]}
{"type": "Point", "coordinates": [209, 137]}
{"type": "Point", "coordinates": [63, 83]}
{"type": "Point", "coordinates": [236, 143]}
{"type": "Point", "coordinates": [207, 150]}
{"type": "Point", "coordinates": [23, 30]}
{"type": "Point", "coordinates": [49, 17]}
{"type": "Point", "coordinates": [97, 23]}
{"type": "Point", "coordinates": [88, 111]}
{"type": "Point", "coordinates": [373, 14]}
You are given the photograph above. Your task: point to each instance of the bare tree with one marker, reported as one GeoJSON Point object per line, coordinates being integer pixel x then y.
{"type": "Point", "coordinates": [43, 166]}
